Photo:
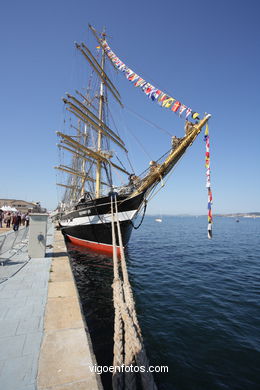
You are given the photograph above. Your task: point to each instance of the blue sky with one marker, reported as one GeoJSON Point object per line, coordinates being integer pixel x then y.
{"type": "Point", "coordinates": [204, 53]}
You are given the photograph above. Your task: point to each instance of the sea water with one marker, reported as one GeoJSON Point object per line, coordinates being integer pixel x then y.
{"type": "Point", "coordinates": [197, 301]}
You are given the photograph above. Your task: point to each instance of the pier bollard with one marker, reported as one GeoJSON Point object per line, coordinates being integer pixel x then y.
{"type": "Point", "coordinates": [37, 235]}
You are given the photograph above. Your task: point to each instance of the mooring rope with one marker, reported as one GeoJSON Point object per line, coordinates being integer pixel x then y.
{"type": "Point", "coordinates": [128, 342]}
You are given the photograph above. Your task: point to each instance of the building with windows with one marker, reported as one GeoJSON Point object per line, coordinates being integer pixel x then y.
{"type": "Point", "coordinates": [21, 205]}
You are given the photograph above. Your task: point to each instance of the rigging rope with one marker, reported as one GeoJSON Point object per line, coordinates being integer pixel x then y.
{"type": "Point", "coordinates": [128, 341]}
{"type": "Point", "coordinates": [145, 206]}
{"type": "Point", "coordinates": [149, 122]}
{"type": "Point", "coordinates": [153, 193]}
{"type": "Point", "coordinates": [138, 141]}
{"type": "Point", "coordinates": [127, 155]}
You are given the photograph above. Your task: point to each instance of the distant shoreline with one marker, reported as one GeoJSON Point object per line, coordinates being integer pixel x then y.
{"type": "Point", "coordinates": [230, 215]}
{"type": "Point", "coordinates": [240, 215]}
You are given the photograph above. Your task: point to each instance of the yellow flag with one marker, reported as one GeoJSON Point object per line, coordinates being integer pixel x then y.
{"type": "Point", "coordinates": [168, 102]}
{"type": "Point", "coordinates": [207, 129]}
{"type": "Point", "coordinates": [195, 115]}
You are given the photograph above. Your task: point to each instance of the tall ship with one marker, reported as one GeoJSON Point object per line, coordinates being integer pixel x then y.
{"type": "Point", "coordinates": [96, 164]}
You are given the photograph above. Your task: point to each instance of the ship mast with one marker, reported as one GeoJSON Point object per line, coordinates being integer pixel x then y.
{"type": "Point", "coordinates": [83, 163]}
{"type": "Point", "coordinates": [86, 158]}
{"type": "Point", "coordinates": [100, 117]}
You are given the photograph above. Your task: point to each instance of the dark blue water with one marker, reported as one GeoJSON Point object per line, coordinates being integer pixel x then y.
{"type": "Point", "coordinates": [197, 301]}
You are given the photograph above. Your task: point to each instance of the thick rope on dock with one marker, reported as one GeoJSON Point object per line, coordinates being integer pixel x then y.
{"type": "Point", "coordinates": [128, 342]}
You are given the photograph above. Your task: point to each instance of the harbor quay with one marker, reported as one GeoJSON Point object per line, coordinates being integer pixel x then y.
{"type": "Point", "coordinates": [44, 340]}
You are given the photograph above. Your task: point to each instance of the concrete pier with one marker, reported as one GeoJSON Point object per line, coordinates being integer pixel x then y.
{"type": "Point", "coordinates": [44, 341]}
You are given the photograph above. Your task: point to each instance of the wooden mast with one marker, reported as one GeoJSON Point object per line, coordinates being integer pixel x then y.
{"type": "Point", "coordinates": [84, 149]}
{"type": "Point", "coordinates": [83, 161]}
{"type": "Point", "coordinates": [100, 116]}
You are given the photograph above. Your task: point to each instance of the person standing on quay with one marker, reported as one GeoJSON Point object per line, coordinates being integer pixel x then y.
{"type": "Point", "coordinates": [8, 219]}
{"type": "Point", "coordinates": [23, 219]}
{"type": "Point", "coordinates": [27, 220]}
{"type": "Point", "coordinates": [16, 222]}
{"type": "Point", "coordinates": [1, 218]}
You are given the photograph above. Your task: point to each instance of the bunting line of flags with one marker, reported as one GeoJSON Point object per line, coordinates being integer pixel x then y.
{"type": "Point", "coordinates": [150, 90]}
{"type": "Point", "coordinates": [208, 183]}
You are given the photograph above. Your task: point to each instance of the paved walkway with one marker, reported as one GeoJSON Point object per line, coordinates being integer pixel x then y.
{"type": "Point", "coordinates": [24, 289]}
{"type": "Point", "coordinates": [23, 293]}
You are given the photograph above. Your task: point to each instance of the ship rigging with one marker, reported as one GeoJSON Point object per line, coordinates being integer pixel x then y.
{"type": "Point", "coordinates": [94, 148]}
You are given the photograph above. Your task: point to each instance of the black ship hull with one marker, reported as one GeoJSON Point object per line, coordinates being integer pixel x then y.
{"type": "Point", "coordinates": [89, 224]}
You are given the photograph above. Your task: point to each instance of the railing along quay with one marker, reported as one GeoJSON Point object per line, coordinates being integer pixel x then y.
{"type": "Point", "coordinates": [9, 243]}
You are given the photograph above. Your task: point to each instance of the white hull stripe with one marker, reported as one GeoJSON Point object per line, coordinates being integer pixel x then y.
{"type": "Point", "coordinates": [96, 219]}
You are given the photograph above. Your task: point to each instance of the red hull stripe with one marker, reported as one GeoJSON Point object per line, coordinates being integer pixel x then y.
{"type": "Point", "coordinates": [94, 246]}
